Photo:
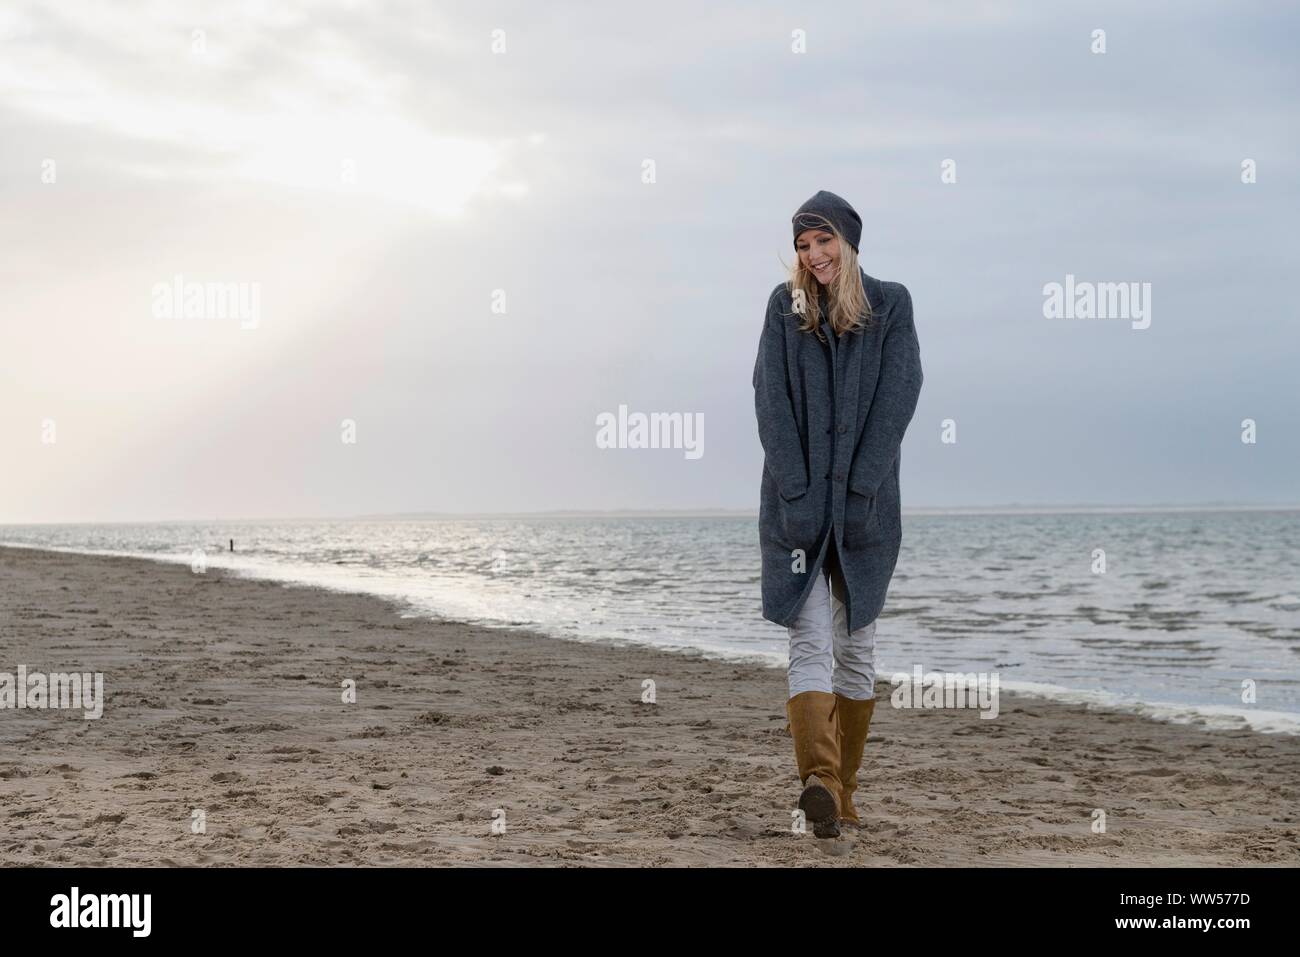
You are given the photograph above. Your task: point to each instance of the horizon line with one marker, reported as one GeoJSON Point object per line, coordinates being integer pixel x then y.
{"type": "Point", "coordinates": [1013, 508]}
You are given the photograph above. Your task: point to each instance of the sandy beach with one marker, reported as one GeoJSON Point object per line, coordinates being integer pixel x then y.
{"type": "Point", "coordinates": [224, 695]}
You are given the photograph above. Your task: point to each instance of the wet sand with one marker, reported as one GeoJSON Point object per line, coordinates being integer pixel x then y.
{"type": "Point", "coordinates": [223, 694]}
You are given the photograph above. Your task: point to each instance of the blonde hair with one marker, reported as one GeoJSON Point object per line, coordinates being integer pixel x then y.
{"type": "Point", "coordinates": [849, 309]}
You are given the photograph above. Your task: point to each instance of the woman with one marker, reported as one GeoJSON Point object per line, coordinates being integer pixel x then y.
{"type": "Point", "coordinates": [835, 385]}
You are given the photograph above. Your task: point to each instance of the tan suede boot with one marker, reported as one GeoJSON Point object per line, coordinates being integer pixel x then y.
{"type": "Point", "coordinates": [854, 721]}
{"type": "Point", "coordinates": [814, 727]}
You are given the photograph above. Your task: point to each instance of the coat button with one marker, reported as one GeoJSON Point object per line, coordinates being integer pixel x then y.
{"type": "Point", "coordinates": [828, 430]}
{"type": "Point", "coordinates": [827, 475]}
{"type": "Point", "coordinates": [843, 428]}
{"type": "Point", "coordinates": [839, 476]}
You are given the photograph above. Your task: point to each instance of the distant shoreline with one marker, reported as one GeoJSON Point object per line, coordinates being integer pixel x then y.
{"type": "Point", "coordinates": [918, 510]}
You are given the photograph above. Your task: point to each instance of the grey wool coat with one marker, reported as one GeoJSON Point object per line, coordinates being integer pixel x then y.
{"type": "Point", "coordinates": [831, 419]}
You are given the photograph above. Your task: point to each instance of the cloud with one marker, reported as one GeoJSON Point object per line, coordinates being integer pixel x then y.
{"type": "Point", "coordinates": [259, 96]}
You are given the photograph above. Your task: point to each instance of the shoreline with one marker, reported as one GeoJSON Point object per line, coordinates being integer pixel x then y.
{"type": "Point", "coordinates": [223, 695]}
{"type": "Point", "coordinates": [1206, 716]}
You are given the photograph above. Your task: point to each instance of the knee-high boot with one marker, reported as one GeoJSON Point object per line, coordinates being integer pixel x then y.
{"type": "Point", "coordinates": [854, 722]}
{"type": "Point", "coordinates": [814, 726]}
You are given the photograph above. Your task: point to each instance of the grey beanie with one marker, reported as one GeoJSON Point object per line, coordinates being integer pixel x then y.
{"type": "Point", "coordinates": [827, 207]}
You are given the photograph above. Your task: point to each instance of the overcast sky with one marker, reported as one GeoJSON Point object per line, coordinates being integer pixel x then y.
{"type": "Point", "coordinates": [382, 175]}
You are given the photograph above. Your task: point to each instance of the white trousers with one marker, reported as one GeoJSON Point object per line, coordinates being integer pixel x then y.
{"type": "Point", "coordinates": [823, 655]}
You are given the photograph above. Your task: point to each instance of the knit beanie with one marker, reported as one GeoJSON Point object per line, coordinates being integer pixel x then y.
{"type": "Point", "coordinates": [827, 207]}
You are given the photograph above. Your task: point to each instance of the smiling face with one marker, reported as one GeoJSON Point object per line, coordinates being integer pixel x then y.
{"type": "Point", "coordinates": [820, 254]}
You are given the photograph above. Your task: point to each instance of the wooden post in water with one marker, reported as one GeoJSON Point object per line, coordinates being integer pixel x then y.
{"type": "Point", "coordinates": [232, 544]}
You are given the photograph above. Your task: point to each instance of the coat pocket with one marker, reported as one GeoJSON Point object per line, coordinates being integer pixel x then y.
{"type": "Point", "coordinates": [801, 521]}
{"type": "Point", "coordinates": [861, 521]}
